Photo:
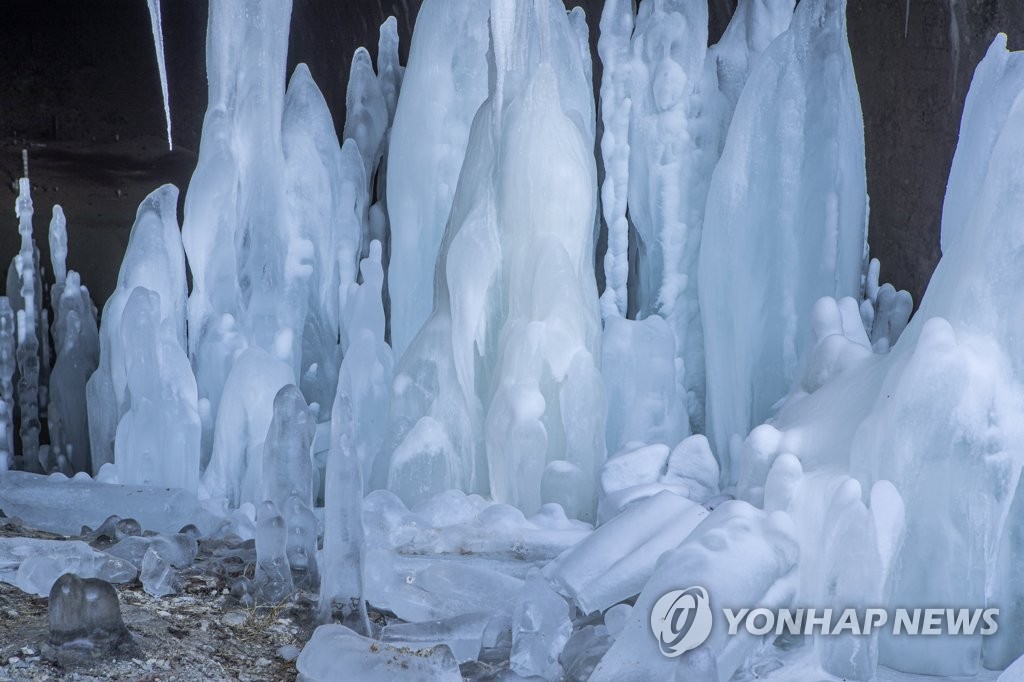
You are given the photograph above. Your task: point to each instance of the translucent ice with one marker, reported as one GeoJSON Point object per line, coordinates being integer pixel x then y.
{"type": "Point", "coordinates": [443, 86]}
{"type": "Point", "coordinates": [157, 438]}
{"type": "Point", "coordinates": [739, 555]}
{"type": "Point", "coordinates": [302, 543]}
{"type": "Point", "coordinates": [34, 565]}
{"type": "Point", "coordinates": [344, 537]}
{"type": "Point", "coordinates": [614, 562]}
{"type": "Point", "coordinates": [157, 574]}
{"type": "Point", "coordinates": [333, 648]}
{"type": "Point", "coordinates": [540, 629]}
{"type": "Point", "coordinates": [287, 452]}
{"type": "Point", "coordinates": [76, 340]}
{"type": "Point", "coordinates": [85, 613]}
{"type": "Point", "coordinates": [785, 221]}
{"type": "Point", "coordinates": [154, 260]}
{"type": "Point", "coordinates": [235, 471]}
{"type": "Point", "coordinates": [273, 576]}
{"type": "Point", "coordinates": [462, 634]}
{"type": "Point", "coordinates": [60, 505]}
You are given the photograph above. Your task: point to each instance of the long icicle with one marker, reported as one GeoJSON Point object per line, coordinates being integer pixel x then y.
{"type": "Point", "coordinates": [158, 44]}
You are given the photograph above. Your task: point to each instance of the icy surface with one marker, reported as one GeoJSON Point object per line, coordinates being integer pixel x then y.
{"type": "Point", "coordinates": [155, 261]}
{"type": "Point", "coordinates": [502, 380]}
{"type": "Point", "coordinates": [335, 647]}
{"type": "Point", "coordinates": [799, 200]}
{"type": "Point", "coordinates": [35, 565]}
{"type": "Point", "coordinates": [61, 505]}
{"type": "Point", "coordinates": [444, 84]}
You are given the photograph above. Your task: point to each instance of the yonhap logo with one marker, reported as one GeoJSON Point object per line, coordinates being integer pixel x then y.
{"type": "Point", "coordinates": [681, 620]}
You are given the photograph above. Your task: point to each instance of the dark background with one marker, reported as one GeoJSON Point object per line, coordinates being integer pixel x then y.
{"type": "Point", "coordinates": [79, 89]}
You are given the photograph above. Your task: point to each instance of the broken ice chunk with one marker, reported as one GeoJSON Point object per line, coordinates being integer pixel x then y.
{"type": "Point", "coordinates": [462, 634]}
{"type": "Point", "coordinates": [335, 648]}
{"type": "Point", "coordinates": [740, 555]}
{"type": "Point", "coordinates": [540, 629]}
{"type": "Point", "coordinates": [157, 574]}
{"type": "Point", "coordinates": [64, 506]}
{"type": "Point", "coordinates": [614, 562]}
{"type": "Point", "coordinates": [85, 612]}
{"type": "Point", "coordinates": [35, 565]}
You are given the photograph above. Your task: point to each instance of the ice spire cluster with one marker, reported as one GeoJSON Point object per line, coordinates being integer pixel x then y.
{"type": "Point", "coordinates": [457, 475]}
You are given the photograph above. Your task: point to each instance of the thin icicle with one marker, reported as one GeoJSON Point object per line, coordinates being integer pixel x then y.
{"type": "Point", "coordinates": [158, 43]}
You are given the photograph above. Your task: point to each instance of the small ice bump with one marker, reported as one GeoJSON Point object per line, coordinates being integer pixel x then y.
{"type": "Point", "coordinates": [85, 612]}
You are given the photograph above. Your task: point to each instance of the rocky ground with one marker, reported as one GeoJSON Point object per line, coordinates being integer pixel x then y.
{"type": "Point", "coordinates": [201, 633]}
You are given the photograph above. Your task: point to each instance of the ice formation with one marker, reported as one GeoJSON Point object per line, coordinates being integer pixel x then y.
{"type": "Point", "coordinates": [85, 612]}
{"type": "Point", "coordinates": [394, 341]}
{"type": "Point", "coordinates": [156, 23]}
{"type": "Point", "coordinates": [798, 199]}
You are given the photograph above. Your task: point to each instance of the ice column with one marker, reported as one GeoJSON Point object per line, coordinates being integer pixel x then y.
{"type": "Point", "coordinates": [444, 84]}
{"type": "Point", "coordinates": [28, 335]}
{"type": "Point", "coordinates": [157, 439]}
{"type": "Point", "coordinates": [500, 388]}
{"type": "Point", "coordinates": [76, 340]}
{"type": "Point", "coordinates": [785, 222]}
{"type": "Point", "coordinates": [613, 45]}
{"type": "Point", "coordinates": [8, 363]}
{"type": "Point", "coordinates": [154, 260]}
{"type": "Point", "coordinates": [237, 223]}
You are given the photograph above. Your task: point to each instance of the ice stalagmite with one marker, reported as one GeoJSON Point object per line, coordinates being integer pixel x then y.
{"type": "Point", "coordinates": [287, 456]}
{"type": "Point", "coordinates": [368, 368]}
{"type": "Point", "coordinates": [389, 71]}
{"type": "Point", "coordinates": [8, 363]}
{"type": "Point", "coordinates": [500, 389]}
{"type": "Point", "coordinates": [997, 82]}
{"type": "Point", "coordinates": [58, 239]}
{"type": "Point", "coordinates": [157, 439]}
{"type": "Point", "coordinates": [358, 428]}
{"type": "Point", "coordinates": [236, 223]}
{"type": "Point", "coordinates": [27, 300]}
{"type": "Point", "coordinates": [673, 145]}
{"type": "Point", "coordinates": [76, 340]}
{"type": "Point", "coordinates": [613, 45]}
{"type": "Point", "coordinates": [154, 260]}
{"type": "Point", "coordinates": [235, 471]}
{"type": "Point", "coordinates": [785, 222]}
{"type": "Point", "coordinates": [343, 516]}
{"type": "Point", "coordinates": [325, 238]}
{"type": "Point", "coordinates": [444, 84]}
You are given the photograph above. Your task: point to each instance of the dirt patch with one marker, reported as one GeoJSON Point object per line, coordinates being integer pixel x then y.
{"type": "Point", "coordinates": [201, 633]}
